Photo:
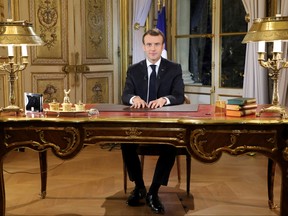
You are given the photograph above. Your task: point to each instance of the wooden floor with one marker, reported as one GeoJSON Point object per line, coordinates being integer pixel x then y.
{"type": "Point", "coordinates": [92, 185]}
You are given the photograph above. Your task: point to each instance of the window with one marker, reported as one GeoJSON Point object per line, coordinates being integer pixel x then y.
{"type": "Point", "coordinates": [233, 30]}
{"type": "Point", "coordinates": [209, 42]}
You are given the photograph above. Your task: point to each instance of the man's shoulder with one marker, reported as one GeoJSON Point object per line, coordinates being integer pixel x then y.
{"type": "Point", "coordinates": [168, 62]}
{"type": "Point", "coordinates": [169, 65]}
{"type": "Point", "coordinates": [138, 65]}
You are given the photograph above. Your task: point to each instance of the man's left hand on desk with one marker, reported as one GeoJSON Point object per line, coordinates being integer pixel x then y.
{"type": "Point", "coordinates": [160, 102]}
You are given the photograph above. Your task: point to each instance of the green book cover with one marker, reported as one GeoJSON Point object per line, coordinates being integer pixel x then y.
{"type": "Point", "coordinates": [241, 101]}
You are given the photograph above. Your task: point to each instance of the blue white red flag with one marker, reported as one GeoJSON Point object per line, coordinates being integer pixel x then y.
{"type": "Point", "coordinates": [161, 25]}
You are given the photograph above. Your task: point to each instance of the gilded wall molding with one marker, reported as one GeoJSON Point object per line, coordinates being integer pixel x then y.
{"type": "Point", "coordinates": [50, 23]}
{"type": "Point", "coordinates": [97, 40]}
{"type": "Point", "coordinates": [98, 87]}
{"type": "Point", "coordinates": [51, 85]}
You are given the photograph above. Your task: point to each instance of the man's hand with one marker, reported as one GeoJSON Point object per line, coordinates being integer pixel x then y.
{"type": "Point", "coordinates": [138, 103]}
{"type": "Point", "coordinates": [160, 102]}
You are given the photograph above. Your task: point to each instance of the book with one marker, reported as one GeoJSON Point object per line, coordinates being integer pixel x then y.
{"type": "Point", "coordinates": [241, 101]}
{"type": "Point", "coordinates": [240, 113]}
{"type": "Point", "coordinates": [241, 107]}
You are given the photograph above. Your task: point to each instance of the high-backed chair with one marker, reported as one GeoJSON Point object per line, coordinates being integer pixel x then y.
{"type": "Point", "coordinates": [150, 150]}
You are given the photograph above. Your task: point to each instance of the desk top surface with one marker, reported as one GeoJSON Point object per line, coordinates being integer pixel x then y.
{"type": "Point", "coordinates": [185, 113]}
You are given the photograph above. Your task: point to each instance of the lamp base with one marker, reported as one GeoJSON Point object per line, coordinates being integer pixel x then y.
{"type": "Point", "coordinates": [274, 109]}
{"type": "Point", "coordinates": [11, 108]}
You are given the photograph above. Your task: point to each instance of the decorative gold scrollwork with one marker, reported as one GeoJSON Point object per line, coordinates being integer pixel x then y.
{"type": "Point", "coordinates": [209, 144]}
{"type": "Point", "coordinates": [133, 132]}
{"type": "Point", "coordinates": [63, 141]}
{"type": "Point", "coordinates": [136, 26]}
{"type": "Point", "coordinates": [75, 68]}
{"type": "Point", "coordinates": [197, 144]}
{"type": "Point", "coordinates": [233, 137]}
{"type": "Point", "coordinates": [48, 16]}
{"type": "Point", "coordinates": [285, 153]}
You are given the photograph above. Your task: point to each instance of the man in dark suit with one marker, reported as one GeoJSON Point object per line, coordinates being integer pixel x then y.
{"type": "Point", "coordinates": [168, 89]}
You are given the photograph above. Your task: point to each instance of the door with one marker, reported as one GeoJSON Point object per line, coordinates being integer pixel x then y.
{"type": "Point", "coordinates": [79, 52]}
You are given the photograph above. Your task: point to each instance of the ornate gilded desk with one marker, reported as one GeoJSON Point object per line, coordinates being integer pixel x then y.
{"type": "Point", "coordinates": [205, 136]}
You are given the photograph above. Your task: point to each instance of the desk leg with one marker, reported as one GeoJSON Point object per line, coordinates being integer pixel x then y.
{"type": "Point", "coordinates": [2, 190]}
{"type": "Point", "coordinates": [43, 171]}
{"type": "Point", "coordinates": [270, 182]}
{"type": "Point", "coordinates": [284, 192]}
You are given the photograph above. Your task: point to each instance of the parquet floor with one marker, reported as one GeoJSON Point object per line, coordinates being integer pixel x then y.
{"type": "Point", "coordinates": [92, 185]}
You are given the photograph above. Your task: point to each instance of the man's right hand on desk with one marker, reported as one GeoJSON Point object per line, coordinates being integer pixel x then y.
{"type": "Point", "coordinates": [137, 103]}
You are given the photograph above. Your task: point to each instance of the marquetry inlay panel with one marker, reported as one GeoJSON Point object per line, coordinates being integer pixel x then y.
{"type": "Point", "coordinates": [208, 144]}
{"type": "Point", "coordinates": [174, 136]}
{"type": "Point", "coordinates": [64, 141]}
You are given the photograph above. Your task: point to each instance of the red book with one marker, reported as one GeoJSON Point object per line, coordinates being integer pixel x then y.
{"type": "Point", "coordinates": [239, 113]}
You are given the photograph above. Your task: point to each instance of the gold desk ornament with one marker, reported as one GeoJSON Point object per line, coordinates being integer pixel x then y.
{"type": "Point", "coordinates": [66, 105]}
{"type": "Point", "coordinates": [80, 106]}
{"type": "Point", "coordinates": [54, 106]}
{"type": "Point", "coordinates": [66, 97]}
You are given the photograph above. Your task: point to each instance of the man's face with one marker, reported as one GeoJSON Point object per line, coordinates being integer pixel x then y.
{"type": "Point", "coordinates": [153, 47]}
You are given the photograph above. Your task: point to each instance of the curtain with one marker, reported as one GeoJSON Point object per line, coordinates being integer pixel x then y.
{"type": "Point", "coordinates": [283, 78]}
{"type": "Point", "coordinates": [255, 82]}
{"type": "Point", "coordinates": [140, 12]}
{"type": "Point", "coordinates": [199, 60]}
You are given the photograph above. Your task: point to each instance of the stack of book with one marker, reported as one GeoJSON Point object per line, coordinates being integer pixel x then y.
{"type": "Point", "coordinates": [241, 106]}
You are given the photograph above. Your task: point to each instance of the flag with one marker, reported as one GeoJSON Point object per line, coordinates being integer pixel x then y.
{"type": "Point", "coordinates": [161, 25]}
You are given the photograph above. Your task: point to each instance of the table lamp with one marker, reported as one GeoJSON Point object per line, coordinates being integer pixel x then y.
{"type": "Point", "coordinates": [16, 34]}
{"type": "Point", "coordinates": [270, 29]}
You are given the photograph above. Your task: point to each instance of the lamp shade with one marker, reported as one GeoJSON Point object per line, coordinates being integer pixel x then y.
{"type": "Point", "coordinates": [18, 33]}
{"type": "Point", "coordinates": [267, 29]}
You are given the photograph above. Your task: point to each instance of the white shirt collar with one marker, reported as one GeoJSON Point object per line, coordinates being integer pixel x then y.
{"type": "Point", "coordinates": [157, 63]}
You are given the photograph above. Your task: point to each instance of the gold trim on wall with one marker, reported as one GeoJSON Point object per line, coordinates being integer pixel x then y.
{"type": "Point", "coordinates": [51, 85]}
{"type": "Point", "coordinates": [124, 30]}
{"type": "Point", "coordinates": [97, 40]}
{"type": "Point", "coordinates": [97, 87]}
{"type": "Point", "coordinates": [50, 23]}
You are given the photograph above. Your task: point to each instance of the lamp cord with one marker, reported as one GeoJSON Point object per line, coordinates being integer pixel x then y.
{"type": "Point", "coordinates": [23, 172]}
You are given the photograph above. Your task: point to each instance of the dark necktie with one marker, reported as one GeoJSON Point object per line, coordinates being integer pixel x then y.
{"type": "Point", "coordinates": [152, 84]}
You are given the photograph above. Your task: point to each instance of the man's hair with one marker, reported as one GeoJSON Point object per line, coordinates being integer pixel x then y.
{"type": "Point", "coordinates": [153, 32]}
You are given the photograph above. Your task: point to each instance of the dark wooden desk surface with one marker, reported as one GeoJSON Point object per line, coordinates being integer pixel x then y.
{"type": "Point", "coordinates": [204, 134]}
